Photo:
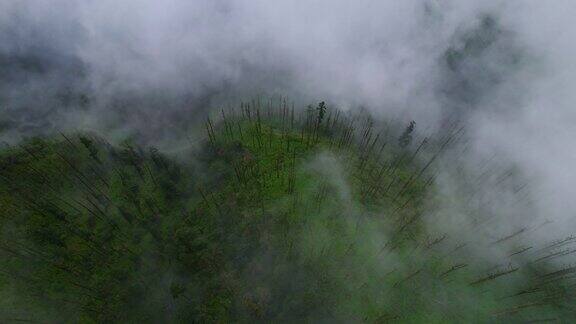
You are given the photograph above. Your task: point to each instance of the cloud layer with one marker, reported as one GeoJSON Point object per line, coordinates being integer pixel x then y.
{"type": "Point", "coordinates": [505, 68]}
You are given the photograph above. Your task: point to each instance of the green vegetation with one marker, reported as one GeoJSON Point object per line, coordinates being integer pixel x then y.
{"type": "Point", "coordinates": [281, 216]}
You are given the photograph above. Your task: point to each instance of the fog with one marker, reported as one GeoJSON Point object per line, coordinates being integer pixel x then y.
{"type": "Point", "coordinates": [504, 69]}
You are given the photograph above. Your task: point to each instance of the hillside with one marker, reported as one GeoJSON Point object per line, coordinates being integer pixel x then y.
{"type": "Point", "coordinates": [281, 215]}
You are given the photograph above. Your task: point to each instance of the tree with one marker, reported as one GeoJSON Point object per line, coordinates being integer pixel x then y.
{"type": "Point", "coordinates": [321, 109]}
{"type": "Point", "coordinates": [406, 137]}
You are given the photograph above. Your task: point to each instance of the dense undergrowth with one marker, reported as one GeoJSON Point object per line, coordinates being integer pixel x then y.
{"type": "Point", "coordinates": [282, 215]}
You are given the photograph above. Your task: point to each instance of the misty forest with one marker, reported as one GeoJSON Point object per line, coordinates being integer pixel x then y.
{"type": "Point", "coordinates": [276, 162]}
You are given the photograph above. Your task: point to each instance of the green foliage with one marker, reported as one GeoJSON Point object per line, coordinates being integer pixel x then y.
{"type": "Point", "coordinates": [281, 218]}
